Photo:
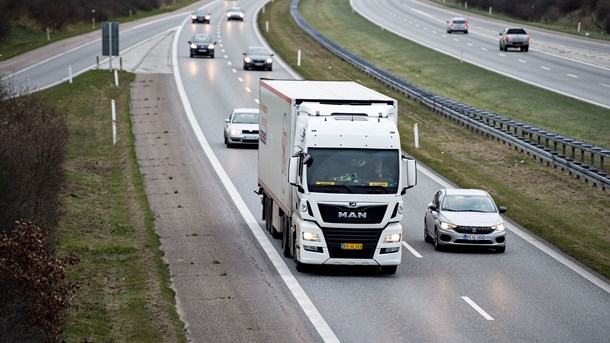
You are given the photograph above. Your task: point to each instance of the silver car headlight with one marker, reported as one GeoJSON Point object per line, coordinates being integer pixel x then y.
{"type": "Point", "coordinates": [235, 132]}
{"type": "Point", "coordinates": [193, 46]}
{"type": "Point", "coordinates": [247, 60]}
{"type": "Point", "coordinates": [241, 15]}
{"type": "Point", "coordinates": [498, 228]}
{"type": "Point", "coordinates": [269, 60]}
{"type": "Point", "coordinates": [448, 226]}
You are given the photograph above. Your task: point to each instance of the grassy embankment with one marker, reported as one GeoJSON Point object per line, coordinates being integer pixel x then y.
{"type": "Point", "coordinates": [26, 37]}
{"type": "Point", "coordinates": [124, 293]}
{"type": "Point", "coordinates": [566, 212]}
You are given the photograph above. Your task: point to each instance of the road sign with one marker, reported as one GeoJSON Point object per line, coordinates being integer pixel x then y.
{"type": "Point", "coordinates": [110, 38]}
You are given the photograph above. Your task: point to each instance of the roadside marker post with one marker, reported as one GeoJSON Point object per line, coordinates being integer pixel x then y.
{"type": "Point", "coordinates": [416, 135]}
{"type": "Point", "coordinates": [116, 78]}
{"type": "Point", "coordinates": [113, 123]}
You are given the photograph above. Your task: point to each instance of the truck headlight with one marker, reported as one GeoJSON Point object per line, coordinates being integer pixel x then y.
{"type": "Point", "coordinates": [311, 236]}
{"type": "Point", "coordinates": [498, 228]}
{"type": "Point", "coordinates": [447, 226]}
{"type": "Point", "coordinates": [392, 238]}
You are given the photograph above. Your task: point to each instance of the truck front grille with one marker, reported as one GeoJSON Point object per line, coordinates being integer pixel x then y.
{"type": "Point", "coordinates": [351, 215]}
{"type": "Point", "coordinates": [368, 238]}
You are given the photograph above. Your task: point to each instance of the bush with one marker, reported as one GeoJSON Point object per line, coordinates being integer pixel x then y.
{"type": "Point", "coordinates": [34, 296]}
{"type": "Point", "coordinates": [32, 152]}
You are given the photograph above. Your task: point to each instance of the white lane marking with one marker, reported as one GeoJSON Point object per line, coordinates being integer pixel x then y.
{"type": "Point", "coordinates": [522, 61]}
{"type": "Point", "coordinates": [456, 40]}
{"type": "Point", "coordinates": [478, 308]}
{"type": "Point", "coordinates": [223, 51]}
{"type": "Point", "coordinates": [411, 249]}
{"type": "Point", "coordinates": [530, 239]}
{"type": "Point", "coordinates": [433, 31]}
{"type": "Point", "coordinates": [605, 85]}
{"type": "Point", "coordinates": [226, 56]}
{"type": "Point", "coordinates": [291, 282]}
{"type": "Point", "coordinates": [469, 44]}
{"type": "Point", "coordinates": [572, 75]}
{"type": "Point", "coordinates": [234, 70]}
{"type": "Point", "coordinates": [545, 68]}
{"type": "Point", "coordinates": [502, 55]}
{"type": "Point", "coordinates": [256, 100]}
{"type": "Point", "coordinates": [240, 79]}
{"type": "Point", "coordinates": [484, 49]}
{"type": "Point", "coordinates": [229, 63]}
{"type": "Point", "coordinates": [248, 90]}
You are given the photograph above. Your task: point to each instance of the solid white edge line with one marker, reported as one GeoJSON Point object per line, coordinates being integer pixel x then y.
{"type": "Point", "coordinates": [291, 282]}
{"type": "Point", "coordinates": [411, 249]}
{"type": "Point", "coordinates": [531, 239]}
{"type": "Point", "coordinates": [477, 308]}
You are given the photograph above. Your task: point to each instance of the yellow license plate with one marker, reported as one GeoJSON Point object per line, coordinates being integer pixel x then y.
{"type": "Point", "coordinates": [351, 246]}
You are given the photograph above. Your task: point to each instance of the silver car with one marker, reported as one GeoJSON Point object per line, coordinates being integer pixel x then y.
{"type": "Point", "coordinates": [242, 127]}
{"type": "Point", "coordinates": [235, 13]}
{"type": "Point", "coordinates": [466, 217]}
{"type": "Point", "coordinates": [457, 25]}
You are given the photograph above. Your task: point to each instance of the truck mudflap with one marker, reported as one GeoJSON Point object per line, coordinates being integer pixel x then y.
{"type": "Point", "coordinates": [360, 249]}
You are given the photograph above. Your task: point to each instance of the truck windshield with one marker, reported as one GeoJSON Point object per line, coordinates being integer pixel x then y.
{"type": "Point", "coordinates": [353, 171]}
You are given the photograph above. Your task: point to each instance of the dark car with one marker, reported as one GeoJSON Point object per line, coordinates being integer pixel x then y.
{"type": "Point", "coordinates": [201, 16]}
{"type": "Point", "coordinates": [235, 13]}
{"type": "Point", "coordinates": [258, 57]}
{"type": "Point", "coordinates": [202, 44]}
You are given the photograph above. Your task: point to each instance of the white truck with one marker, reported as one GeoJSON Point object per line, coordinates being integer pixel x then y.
{"type": "Point", "coordinates": [331, 173]}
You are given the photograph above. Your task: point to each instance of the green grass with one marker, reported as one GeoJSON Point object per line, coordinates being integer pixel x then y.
{"type": "Point", "coordinates": [568, 213]}
{"type": "Point", "coordinates": [124, 293]}
{"type": "Point", "coordinates": [25, 37]}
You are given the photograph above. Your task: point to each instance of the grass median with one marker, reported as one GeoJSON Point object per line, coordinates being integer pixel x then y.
{"type": "Point", "coordinates": [566, 212]}
{"type": "Point", "coordinates": [124, 290]}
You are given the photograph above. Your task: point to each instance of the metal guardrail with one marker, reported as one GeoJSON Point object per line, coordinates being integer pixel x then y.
{"type": "Point", "coordinates": [556, 150]}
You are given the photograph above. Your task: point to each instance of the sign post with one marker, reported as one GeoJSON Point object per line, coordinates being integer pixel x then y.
{"type": "Point", "coordinates": [110, 40]}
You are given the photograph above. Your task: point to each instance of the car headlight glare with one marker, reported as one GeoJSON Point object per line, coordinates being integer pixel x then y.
{"type": "Point", "coordinates": [234, 132]}
{"type": "Point", "coordinates": [207, 17]}
{"type": "Point", "coordinates": [193, 46]}
{"type": "Point", "coordinates": [392, 238]}
{"type": "Point", "coordinates": [194, 17]}
{"type": "Point", "coordinates": [247, 60]}
{"type": "Point", "coordinates": [211, 46]}
{"type": "Point", "coordinates": [241, 15]}
{"type": "Point", "coordinates": [447, 226]}
{"type": "Point", "coordinates": [311, 236]}
{"type": "Point", "coordinates": [228, 14]}
{"type": "Point", "coordinates": [498, 228]}
{"type": "Point", "coordinates": [269, 60]}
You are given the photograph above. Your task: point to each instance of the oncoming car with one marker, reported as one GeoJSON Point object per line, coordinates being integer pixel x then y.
{"type": "Point", "coordinates": [202, 44]}
{"type": "Point", "coordinates": [457, 25]}
{"type": "Point", "coordinates": [258, 57]}
{"type": "Point", "coordinates": [467, 217]}
{"type": "Point", "coordinates": [201, 16]}
{"type": "Point", "coordinates": [235, 13]}
{"type": "Point", "coordinates": [242, 127]}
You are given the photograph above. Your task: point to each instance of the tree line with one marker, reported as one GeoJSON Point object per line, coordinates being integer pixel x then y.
{"type": "Point", "coordinates": [593, 13]}
{"type": "Point", "coordinates": [57, 14]}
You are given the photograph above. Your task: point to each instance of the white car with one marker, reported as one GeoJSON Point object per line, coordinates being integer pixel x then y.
{"type": "Point", "coordinates": [242, 127]}
{"type": "Point", "coordinates": [457, 25]}
{"type": "Point", "coordinates": [235, 13]}
{"type": "Point", "coordinates": [464, 217]}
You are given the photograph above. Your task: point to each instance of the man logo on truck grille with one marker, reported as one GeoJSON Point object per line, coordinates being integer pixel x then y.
{"type": "Point", "coordinates": [352, 215]}
{"type": "Point", "coordinates": [353, 204]}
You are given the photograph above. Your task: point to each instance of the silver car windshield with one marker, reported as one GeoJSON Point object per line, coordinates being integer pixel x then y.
{"type": "Point", "coordinates": [468, 203]}
{"type": "Point", "coordinates": [245, 118]}
{"type": "Point", "coordinates": [353, 171]}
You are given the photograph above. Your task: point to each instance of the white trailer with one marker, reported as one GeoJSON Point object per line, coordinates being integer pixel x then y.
{"type": "Point", "coordinates": [331, 173]}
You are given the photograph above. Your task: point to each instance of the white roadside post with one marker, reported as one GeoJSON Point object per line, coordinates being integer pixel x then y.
{"type": "Point", "coordinates": [70, 73]}
{"type": "Point", "coordinates": [299, 58]}
{"type": "Point", "coordinates": [416, 135]}
{"type": "Point", "coordinates": [116, 78]}
{"type": "Point", "coordinates": [266, 26]}
{"type": "Point", "coordinates": [113, 123]}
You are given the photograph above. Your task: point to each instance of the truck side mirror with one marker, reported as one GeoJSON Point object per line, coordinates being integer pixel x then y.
{"type": "Point", "coordinates": [409, 173]}
{"type": "Point", "coordinates": [293, 169]}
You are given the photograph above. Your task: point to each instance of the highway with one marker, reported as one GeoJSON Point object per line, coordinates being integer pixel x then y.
{"type": "Point", "coordinates": [579, 68]}
{"type": "Point", "coordinates": [529, 293]}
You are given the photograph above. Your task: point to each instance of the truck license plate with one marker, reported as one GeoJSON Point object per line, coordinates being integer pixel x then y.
{"type": "Point", "coordinates": [351, 246]}
{"type": "Point", "coordinates": [474, 237]}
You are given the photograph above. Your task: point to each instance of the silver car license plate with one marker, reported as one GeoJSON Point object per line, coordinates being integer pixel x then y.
{"type": "Point", "coordinates": [474, 237]}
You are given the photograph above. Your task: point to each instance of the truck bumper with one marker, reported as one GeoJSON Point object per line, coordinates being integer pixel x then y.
{"type": "Point", "coordinates": [384, 254]}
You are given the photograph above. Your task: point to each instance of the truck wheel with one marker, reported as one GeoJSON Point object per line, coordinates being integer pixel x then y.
{"type": "Point", "coordinates": [269, 215]}
{"type": "Point", "coordinates": [286, 237]}
{"type": "Point", "coordinates": [389, 270]}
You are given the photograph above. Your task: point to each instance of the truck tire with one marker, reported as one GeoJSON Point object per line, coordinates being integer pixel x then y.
{"type": "Point", "coordinates": [269, 216]}
{"type": "Point", "coordinates": [286, 237]}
